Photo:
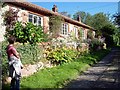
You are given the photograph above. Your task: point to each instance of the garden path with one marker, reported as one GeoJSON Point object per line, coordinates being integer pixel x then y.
{"type": "Point", "coordinates": [105, 74]}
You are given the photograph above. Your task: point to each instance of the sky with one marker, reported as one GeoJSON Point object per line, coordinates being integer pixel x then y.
{"type": "Point", "coordinates": [90, 7]}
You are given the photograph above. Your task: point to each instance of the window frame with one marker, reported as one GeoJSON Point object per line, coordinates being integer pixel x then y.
{"type": "Point", "coordinates": [33, 17]}
{"type": "Point", "coordinates": [76, 31]}
{"type": "Point", "coordinates": [64, 29]}
{"type": "Point", "coordinates": [83, 33]}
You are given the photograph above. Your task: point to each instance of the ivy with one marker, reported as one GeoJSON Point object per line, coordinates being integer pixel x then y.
{"type": "Point", "coordinates": [55, 25]}
{"type": "Point", "coordinates": [10, 18]}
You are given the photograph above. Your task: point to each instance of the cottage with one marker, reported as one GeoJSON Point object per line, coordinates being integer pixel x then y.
{"type": "Point", "coordinates": [40, 16]}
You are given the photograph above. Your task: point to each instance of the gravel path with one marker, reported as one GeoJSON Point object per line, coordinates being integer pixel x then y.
{"type": "Point", "coordinates": [105, 74]}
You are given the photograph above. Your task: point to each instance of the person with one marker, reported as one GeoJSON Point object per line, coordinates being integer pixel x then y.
{"type": "Point", "coordinates": [15, 64]}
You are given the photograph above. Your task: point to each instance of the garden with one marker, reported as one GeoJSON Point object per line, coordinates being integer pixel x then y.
{"type": "Point", "coordinates": [35, 46]}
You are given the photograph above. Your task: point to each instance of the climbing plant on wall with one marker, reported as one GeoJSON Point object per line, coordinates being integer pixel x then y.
{"type": "Point", "coordinates": [10, 17]}
{"type": "Point", "coordinates": [55, 25]}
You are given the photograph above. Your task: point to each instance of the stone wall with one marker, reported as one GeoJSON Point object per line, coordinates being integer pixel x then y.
{"type": "Point", "coordinates": [2, 27]}
{"type": "Point", "coordinates": [31, 69]}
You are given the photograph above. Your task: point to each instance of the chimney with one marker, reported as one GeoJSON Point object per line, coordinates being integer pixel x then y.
{"type": "Point", "coordinates": [55, 9]}
{"type": "Point", "coordinates": [78, 18]}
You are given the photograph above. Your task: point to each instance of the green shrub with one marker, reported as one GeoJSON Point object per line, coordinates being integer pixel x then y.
{"type": "Point", "coordinates": [62, 55]}
{"type": "Point", "coordinates": [26, 51]}
{"type": "Point", "coordinates": [4, 58]}
{"type": "Point", "coordinates": [30, 54]}
{"type": "Point", "coordinates": [95, 43]}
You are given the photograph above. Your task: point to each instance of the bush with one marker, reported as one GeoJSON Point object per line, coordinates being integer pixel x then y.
{"type": "Point", "coordinates": [95, 43]}
{"type": "Point", "coordinates": [62, 55]}
{"type": "Point", "coordinates": [29, 53]}
{"type": "Point", "coordinates": [4, 58]}
{"type": "Point", "coordinates": [26, 51]}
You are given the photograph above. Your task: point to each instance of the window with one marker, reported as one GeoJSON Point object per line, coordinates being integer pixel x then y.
{"type": "Point", "coordinates": [83, 36]}
{"type": "Point", "coordinates": [34, 19]}
{"type": "Point", "coordinates": [76, 31]}
{"type": "Point", "coordinates": [64, 29]}
{"type": "Point", "coordinates": [30, 17]}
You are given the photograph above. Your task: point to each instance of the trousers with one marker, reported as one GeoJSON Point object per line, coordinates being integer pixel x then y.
{"type": "Point", "coordinates": [15, 84]}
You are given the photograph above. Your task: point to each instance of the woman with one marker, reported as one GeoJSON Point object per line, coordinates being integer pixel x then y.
{"type": "Point", "coordinates": [15, 65]}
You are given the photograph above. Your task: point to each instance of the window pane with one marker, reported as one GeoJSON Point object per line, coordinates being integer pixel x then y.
{"type": "Point", "coordinates": [35, 19]}
{"type": "Point", "coordinates": [66, 28]}
{"type": "Point", "coordinates": [30, 15]}
{"type": "Point", "coordinates": [30, 20]}
{"type": "Point", "coordinates": [39, 21]}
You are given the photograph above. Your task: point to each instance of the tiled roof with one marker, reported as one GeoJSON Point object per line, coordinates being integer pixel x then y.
{"type": "Point", "coordinates": [32, 7]}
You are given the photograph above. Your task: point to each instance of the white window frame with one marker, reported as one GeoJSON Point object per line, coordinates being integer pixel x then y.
{"type": "Point", "coordinates": [38, 19]}
{"type": "Point", "coordinates": [83, 33]}
{"type": "Point", "coordinates": [64, 29]}
{"type": "Point", "coordinates": [76, 31]}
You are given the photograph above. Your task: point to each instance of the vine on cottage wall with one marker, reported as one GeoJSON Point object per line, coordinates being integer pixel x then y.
{"type": "Point", "coordinates": [2, 4]}
{"type": "Point", "coordinates": [23, 33]}
{"type": "Point", "coordinates": [90, 34]}
{"type": "Point", "coordinates": [10, 18]}
{"type": "Point", "coordinates": [30, 33]}
{"type": "Point", "coordinates": [80, 35]}
{"type": "Point", "coordinates": [55, 25]}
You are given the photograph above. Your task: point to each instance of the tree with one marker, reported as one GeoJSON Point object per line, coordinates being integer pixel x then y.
{"type": "Point", "coordinates": [81, 14]}
{"type": "Point", "coordinates": [99, 21]}
{"type": "Point", "coordinates": [65, 14]}
{"type": "Point", "coordinates": [117, 32]}
{"type": "Point", "coordinates": [116, 36]}
{"type": "Point", "coordinates": [86, 18]}
{"type": "Point", "coordinates": [108, 31]}
{"type": "Point", "coordinates": [117, 19]}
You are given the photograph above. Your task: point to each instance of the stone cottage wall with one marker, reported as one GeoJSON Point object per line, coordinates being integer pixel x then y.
{"type": "Point", "coordinates": [2, 27]}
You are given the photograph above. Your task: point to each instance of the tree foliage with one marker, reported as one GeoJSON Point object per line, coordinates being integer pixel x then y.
{"type": "Point", "coordinates": [81, 14]}
{"type": "Point", "coordinates": [65, 14]}
{"type": "Point", "coordinates": [96, 21]}
{"type": "Point", "coordinates": [100, 20]}
{"type": "Point", "coordinates": [117, 19]}
{"type": "Point", "coordinates": [108, 32]}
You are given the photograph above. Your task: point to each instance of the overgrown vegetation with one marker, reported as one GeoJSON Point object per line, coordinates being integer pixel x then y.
{"type": "Point", "coordinates": [59, 76]}
{"type": "Point", "coordinates": [55, 25]}
{"type": "Point", "coordinates": [23, 32]}
{"type": "Point", "coordinates": [62, 55]}
{"type": "Point", "coordinates": [26, 52]}
{"type": "Point", "coordinates": [70, 62]}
